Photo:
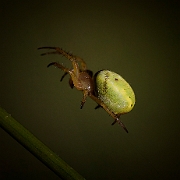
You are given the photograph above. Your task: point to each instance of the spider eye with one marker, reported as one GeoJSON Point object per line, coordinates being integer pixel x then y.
{"type": "Point", "coordinates": [114, 92]}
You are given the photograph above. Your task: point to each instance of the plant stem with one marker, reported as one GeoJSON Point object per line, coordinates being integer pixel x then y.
{"type": "Point", "coordinates": [37, 148]}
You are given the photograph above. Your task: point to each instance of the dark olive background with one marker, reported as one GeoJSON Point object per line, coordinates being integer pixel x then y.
{"type": "Point", "coordinates": [140, 41]}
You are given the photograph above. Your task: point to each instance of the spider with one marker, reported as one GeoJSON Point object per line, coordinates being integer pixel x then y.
{"type": "Point", "coordinates": [83, 80]}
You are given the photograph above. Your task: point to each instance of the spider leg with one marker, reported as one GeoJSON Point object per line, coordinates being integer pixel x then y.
{"type": "Point", "coordinates": [98, 106]}
{"type": "Point", "coordinates": [114, 116]}
{"type": "Point", "coordinates": [66, 70]}
{"type": "Point", "coordinates": [73, 59]}
{"type": "Point", "coordinates": [70, 80]}
{"type": "Point", "coordinates": [63, 76]}
{"type": "Point", "coordinates": [85, 95]}
{"type": "Point", "coordinates": [57, 51]}
{"type": "Point", "coordinates": [69, 56]}
{"type": "Point", "coordinates": [83, 64]}
{"type": "Point", "coordinates": [71, 83]}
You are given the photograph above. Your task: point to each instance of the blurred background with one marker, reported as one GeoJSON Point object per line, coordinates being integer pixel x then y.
{"type": "Point", "coordinates": [140, 41]}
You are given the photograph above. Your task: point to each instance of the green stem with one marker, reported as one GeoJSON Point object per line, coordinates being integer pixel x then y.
{"type": "Point", "coordinates": [37, 148]}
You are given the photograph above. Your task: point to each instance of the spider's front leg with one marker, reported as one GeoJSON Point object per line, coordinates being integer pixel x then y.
{"type": "Point", "coordinates": [66, 70]}
{"type": "Point", "coordinates": [72, 58]}
{"type": "Point", "coordinates": [73, 80]}
{"type": "Point", "coordinates": [79, 77]}
{"type": "Point", "coordinates": [57, 51]}
{"type": "Point", "coordinates": [60, 66]}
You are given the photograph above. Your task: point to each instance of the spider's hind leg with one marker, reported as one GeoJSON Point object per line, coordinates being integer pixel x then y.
{"type": "Point", "coordinates": [114, 116]}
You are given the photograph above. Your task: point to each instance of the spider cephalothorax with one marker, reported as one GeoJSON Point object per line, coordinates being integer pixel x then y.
{"type": "Point", "coordinates": [108, 89]}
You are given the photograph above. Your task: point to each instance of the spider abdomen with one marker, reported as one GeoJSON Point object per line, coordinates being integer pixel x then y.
{"type": "Point", "coordinates": [114, 92]}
